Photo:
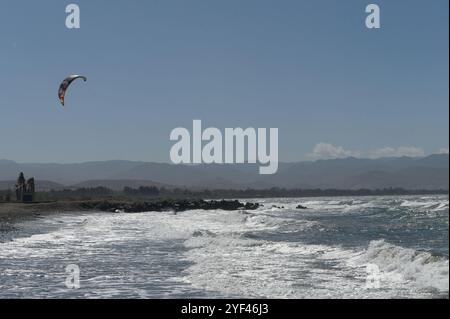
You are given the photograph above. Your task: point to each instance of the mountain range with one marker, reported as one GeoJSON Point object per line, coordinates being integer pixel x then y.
{"type": "Point", "coordinates": [431, 172]}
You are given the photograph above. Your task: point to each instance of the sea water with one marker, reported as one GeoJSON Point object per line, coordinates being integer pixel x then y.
{"type": "Point", "coordinates": [277, 251]}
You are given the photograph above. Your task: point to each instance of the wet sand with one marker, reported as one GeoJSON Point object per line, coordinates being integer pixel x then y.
{"type": "Point", "coordinates": [17, 211]}
{"type": "Point", "coordinates": [13, 213]}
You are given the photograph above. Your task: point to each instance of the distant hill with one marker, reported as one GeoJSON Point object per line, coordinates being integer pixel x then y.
{"type": "Point", "coordinates": [431, 172]}
{"type": "Point", "coordinates": [118, 184]}
{"type": "Point", "coordinates": [65, 173]}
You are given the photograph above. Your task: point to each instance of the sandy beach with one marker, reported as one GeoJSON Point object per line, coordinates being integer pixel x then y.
{"type": "Point", "coordinates": [10, 212]}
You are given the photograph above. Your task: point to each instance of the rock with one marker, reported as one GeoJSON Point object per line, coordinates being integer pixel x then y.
{"type": "Point", "coordinates": [278, 207]}
{"type": "Point", "coordinates": [301, 207]}
{"type": "Point", "coordinates": [166, 205]}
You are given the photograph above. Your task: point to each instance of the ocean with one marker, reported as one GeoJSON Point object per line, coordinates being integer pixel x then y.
{"type": "Point", "coordinates": [340, 247]}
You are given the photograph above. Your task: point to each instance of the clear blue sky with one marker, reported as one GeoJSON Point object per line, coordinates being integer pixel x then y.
{"type": "Point", "coordinates": [310, 68]}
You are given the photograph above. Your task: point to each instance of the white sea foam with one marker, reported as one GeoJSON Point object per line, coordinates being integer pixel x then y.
{"type": "Point", "coordinates": [238, 266]}
{"type": "Point", "coordinates": [241, 267]}
{"type": "Point", "coordinates": [221, 253]}
{"type": "Point", "coordinates": [408, 266]}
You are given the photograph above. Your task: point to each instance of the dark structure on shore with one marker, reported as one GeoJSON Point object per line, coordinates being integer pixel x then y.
{"type": "Point", "coordinates": [25, 189]}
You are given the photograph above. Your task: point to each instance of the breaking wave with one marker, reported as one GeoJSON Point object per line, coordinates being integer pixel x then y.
{"type": "Point", "coordinates": [276, 251]}
{"type": "Point", "coordinates": [408, 266]}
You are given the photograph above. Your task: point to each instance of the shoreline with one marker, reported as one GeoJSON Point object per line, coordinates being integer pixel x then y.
{"type": "Point", "coordinates": [13, 212]}
{"type": "Point", "coordinates": [29, 209]}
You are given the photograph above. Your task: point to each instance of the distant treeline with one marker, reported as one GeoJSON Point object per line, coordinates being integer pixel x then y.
{"type": "Point", "coordinates": [271, 192]}
{"type": "Point", "coordinates": [153, 192]}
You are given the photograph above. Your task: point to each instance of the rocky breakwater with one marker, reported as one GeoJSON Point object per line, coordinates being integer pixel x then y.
{"type": "Point", "coordinates": [167, 205]}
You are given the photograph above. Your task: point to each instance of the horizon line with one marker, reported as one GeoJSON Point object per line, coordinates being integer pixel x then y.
{"type": "Point", "coordinates": [190, 164]}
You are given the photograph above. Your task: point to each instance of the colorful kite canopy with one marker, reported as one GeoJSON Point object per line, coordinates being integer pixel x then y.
{"type": "Point", "coordinates": [65, 85]}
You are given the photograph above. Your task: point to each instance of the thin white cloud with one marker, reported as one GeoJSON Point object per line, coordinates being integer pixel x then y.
{"type": "Point", "coordinates": [410, 151]}
{"type": "Point", "coordinates": [443, 151]}
{"type": "Point", "coordinates": [330, 151]}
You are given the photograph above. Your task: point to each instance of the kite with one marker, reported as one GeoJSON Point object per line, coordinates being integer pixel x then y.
{"type": "Point", "coordinates": [65, 85]}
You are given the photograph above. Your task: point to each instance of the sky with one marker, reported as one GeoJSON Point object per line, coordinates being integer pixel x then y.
{"type": "Point", "coordinates": [310, 68]}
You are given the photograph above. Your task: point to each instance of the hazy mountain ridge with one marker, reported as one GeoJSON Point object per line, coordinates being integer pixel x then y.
{"type": "Point", "coordinates": [431, 172]}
